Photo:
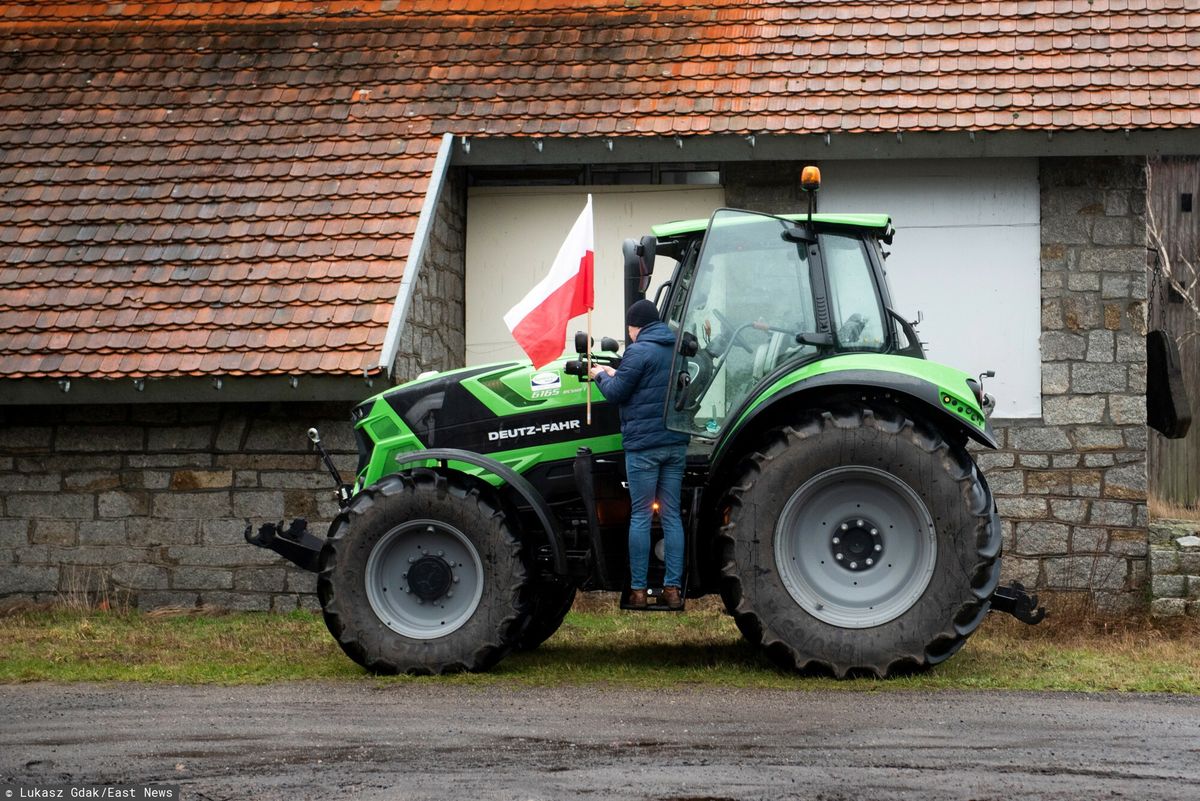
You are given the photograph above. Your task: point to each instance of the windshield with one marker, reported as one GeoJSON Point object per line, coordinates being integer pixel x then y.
{"type": "Point", "coordinates": [751, 294]}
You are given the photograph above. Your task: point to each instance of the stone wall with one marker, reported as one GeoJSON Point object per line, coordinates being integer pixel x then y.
{"type": "Point", "coordinates": [1072, 486]}
{"type": "Point", "coordinates": [434, 335]}
{"type": "Point", "coordinates": [146, 504]}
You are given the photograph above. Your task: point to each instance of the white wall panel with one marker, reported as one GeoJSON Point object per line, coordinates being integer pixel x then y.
{"type": "Point", "coordinates": [966, 254]}
{"type": "Point", "coordinates": [514, 233]}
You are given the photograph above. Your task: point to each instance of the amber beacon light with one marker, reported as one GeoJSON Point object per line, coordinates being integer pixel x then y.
{"type": "Point", "coordinates": [810, 178]}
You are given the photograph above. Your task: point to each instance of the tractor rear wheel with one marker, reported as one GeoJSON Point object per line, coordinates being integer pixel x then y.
{"type": "Point", "coordinates": [422, 575]}
{"type": "Point", "coordinates": [859, 541]}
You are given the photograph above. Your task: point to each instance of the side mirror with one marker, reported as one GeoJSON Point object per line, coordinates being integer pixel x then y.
{"type": "Point", "coordinates": [609, 345]}
{"type": "Point", "coordinates": [575, 367]}
{"type": "Point", "coordinates": [581, 342]}
{"type": "Point", "coordinates": [639, 267]}
{"type": "Point", "coordinates": [688, 344]}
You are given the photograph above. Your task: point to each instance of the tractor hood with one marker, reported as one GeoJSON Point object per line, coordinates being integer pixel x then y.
{"type": "Point", "coordinates": [507, 410]}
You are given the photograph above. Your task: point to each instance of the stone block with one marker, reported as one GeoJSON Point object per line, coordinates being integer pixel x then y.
{"type": "Point", "coordinates": [1127, 409]}
{"type": "Point", "coordinates": [53, 532]}
{"type": "Point", "coordinates": [1052, 312]}
{"type": "Point", "coordinates": [1083, 282]}
{"type": "Point", "coordinates": [15, 530]}
{"type": "Point", "coordinates": [1164, 561]}
{"type": "Point", "coordinates": [1128, 542]}
{"type": "Point", "coordinates": [28, 578]}
{"type": "Point", "coordinates": [1066, 229]}
{"type": "Point", "coordinates": [1088, 378]}
{"type": "Point", "coordinates": [1118, 604]}
{"type": "Point", "coordinates": [1048, 482]}
{"type": "Point", "coordinates": [222, 555]}
{"type": "Point", "coordinates": [226, 531]}
{"type": "Point", "coordinates": [1100, 346]}
{"type": "Point", "coordinates": [102, 532]}
{"type": "Point", "coordinates": [158, 599]}
{"type": "Point", "coordinates": [91, 481]}
{"type": "Point", "coordinates": [1193, 588]}
{"type": "Point", "coordinates": [267, 461]}
{"type": "Point", "coordinates": [1070, 511]}
{"type": "Point", "coordinates": [1056, 378]}
{"type": "Point", "coordinates": [123, 504]}
{"type": "Point", "coordinates": [1039, 438]}
{"type": "Point", "coordinates": [1193, 609]}
{"type": "Point", "coordinates": [1089, 540]}
{"type": "Point", "coordinates": [237, 601]}
{"type": "Point", "coordinates": [201, 578]}
{"type": "Point", "coordinates": [141, 576]}
{"type": "Point", "coordinates": [1021, 508]}
{"type": "Point", "coordinates": [1188, 562]}
{"type": "Point", "coordinates": [1060, 346]}
{"type": "Point", "coordinates": [1037, 461]}
{"type": "Point", "coordinates": [1062, 461]}
{"type": "Point", "coordinates": [1040, 539]}
{"type": "Point", "coordinates": [1112, 259]}
{"type": "Point", "coordinates": [27, 438]}
{"type": "Point", "coordinates": [258, 505]}
{"type": "Point", "coordinates": [179, 438]}
{"type": "Point", "coordinates": [308, 480]}
{"type": "Point", "coordinates": [1014, 568]}
{"type": "Point", "coordinates": [1111, 513]}
{"type": "Point", "coordinates": [1112, 316]}
{"type": "Point", "coordinates": [100, 439]}
{"type": "Point", "coordinates": [201, 479]}
{"type": "Point", "coordinates": [1168, 586]}
{"type": "Point", "coordinates": [1006, 482]}
{"type": "Point", "coordinates": [170, 461]}
{"type": "Point", "coordinates": [278, 436]}
{"type": "Point", "coordinates": [1130, 347]}
{"type": "Point", "coordinates": [33, 482]}
{"type": "Point", "coordinates": [56, 505]}
{"type": "Point", "coordinates": [1128, 481]}
{"type": "Point", "coordinates": [1085, 572]}
{"type": "Point", "coordinates": [230, 433]}
{"type": "Point", "coordinates": [1116, 203]}
{"type": "Point", "coordinates": [1073, 409]}
{"type": "Point", "coordinates": [1168, 607]}
{"type": "Point", "coordinates": [1098, 438]}
{"type": "Point", "coordinates": [259, 579]}
{"type": "Point", "coordinates": [245, 478]}
{"type": "Point", "coordinates": [66, 463]}
{"type": "Point", "coordinates": [1081, 312]}
{"type": "Point", "coordinates": [301, 581]}
{"type": "Point", "coordinates": [1135, 438]}
{"type": "Point", "coordinates": [191, 505]}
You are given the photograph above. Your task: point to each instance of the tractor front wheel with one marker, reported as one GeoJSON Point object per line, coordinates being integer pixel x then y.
{"type": "Point", "coordinates": [422, 575]}
{"type": "Point", "coordinates": [859, 541]}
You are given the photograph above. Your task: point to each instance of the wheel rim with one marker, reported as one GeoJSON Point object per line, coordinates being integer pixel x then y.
{"type": "Point", "coordinates": [863, 517]}
{"type": "Point", "coordinates": [424, 579]}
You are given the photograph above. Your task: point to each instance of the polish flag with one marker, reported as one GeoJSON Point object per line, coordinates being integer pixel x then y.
{"type": "Point", "coordinates": [539, 320]}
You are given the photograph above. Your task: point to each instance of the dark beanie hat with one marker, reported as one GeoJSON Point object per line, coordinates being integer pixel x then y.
{"type": "Point", "coordinates": [641, 314]}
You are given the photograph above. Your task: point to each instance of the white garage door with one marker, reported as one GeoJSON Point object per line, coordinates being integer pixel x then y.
{"type": "Point", "coordinates": [967, 255]}
{"type": "Point", "coordinates": [514, 232]}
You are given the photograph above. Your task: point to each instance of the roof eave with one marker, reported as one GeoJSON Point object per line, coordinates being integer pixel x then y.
{"type": "Point", "coordinates": [186, 389]}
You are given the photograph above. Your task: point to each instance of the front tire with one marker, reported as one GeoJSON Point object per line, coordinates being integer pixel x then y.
{"type": "Point", "coordinates": [422, 575]}
{"type": "Point", "coordinates": [859, 541]}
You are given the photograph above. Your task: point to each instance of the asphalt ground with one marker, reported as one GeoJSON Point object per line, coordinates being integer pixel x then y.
{"type": "Point", "coordinates": [430, 741]}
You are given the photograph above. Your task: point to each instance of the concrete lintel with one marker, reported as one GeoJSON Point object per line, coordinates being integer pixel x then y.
{"type": "Point", "coordinates": [471, 151]}
{"type": "Point", "coordinates": [188, 389]}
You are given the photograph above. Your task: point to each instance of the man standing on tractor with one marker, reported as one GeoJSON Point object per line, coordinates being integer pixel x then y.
{"type": "Point", "coordinates": [654, 457]}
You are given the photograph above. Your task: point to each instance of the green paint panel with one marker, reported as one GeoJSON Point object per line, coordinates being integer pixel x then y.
{"type": "Point", "coordinates": [948, 381]}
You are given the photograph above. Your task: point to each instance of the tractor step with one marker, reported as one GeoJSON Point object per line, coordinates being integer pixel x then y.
{"type": "Point", "coordinates": [295, 543]}
{"type": "Point", "coordinates": [654, 602]}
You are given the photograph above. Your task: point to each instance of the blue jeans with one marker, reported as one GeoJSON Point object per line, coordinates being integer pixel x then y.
{"type": "Point", "coordinates": [655, 474]}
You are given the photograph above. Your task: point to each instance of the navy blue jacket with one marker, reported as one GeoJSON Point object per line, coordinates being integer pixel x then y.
{"type": "Point", "coordinates": [640, 389]}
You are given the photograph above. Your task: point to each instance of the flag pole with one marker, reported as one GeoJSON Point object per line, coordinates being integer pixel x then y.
{"type": "Point", "coordinates": [589, 368]}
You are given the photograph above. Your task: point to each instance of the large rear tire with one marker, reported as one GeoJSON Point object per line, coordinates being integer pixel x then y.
{"type": "Point", "coordinates": [859, 541]}
{"type": "Point", "coordinates": [422, 575]}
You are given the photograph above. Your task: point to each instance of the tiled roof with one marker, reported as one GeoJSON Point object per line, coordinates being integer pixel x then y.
{"type": "Point", "coordinates": [195, 188]}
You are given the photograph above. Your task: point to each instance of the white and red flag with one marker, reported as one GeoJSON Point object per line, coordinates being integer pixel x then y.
{"type": "Point", "coordinates": [539, 320]}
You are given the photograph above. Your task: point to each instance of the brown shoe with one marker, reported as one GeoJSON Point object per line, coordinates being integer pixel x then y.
{"type": "Point", "coordinates": [637, 599]}
{"type": "Point", "coordinates": [672, 598]}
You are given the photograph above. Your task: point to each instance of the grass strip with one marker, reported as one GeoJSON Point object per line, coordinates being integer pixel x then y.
{"type": "Point", "coordinates": [701, 647]}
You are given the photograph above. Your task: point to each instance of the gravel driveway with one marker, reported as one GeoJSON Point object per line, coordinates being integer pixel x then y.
{"type": "Point", "coordinates": [431, 741]}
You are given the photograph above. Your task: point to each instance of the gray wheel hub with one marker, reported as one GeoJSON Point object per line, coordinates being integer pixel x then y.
{"type": "Point", "coordinates": [855, 546]}
{"type": "Point", "coordinates": [424, 579]}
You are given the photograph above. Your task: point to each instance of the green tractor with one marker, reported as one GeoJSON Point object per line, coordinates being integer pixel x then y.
{"type": "Point", "coordinates": [829, 496]}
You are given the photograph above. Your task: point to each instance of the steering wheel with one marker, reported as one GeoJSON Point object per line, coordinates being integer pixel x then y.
{"type": "Point", "coordinates": [734, 333]}
{"type": "Point", "coordinates": [694, 392]}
